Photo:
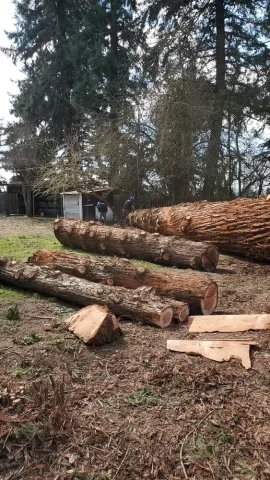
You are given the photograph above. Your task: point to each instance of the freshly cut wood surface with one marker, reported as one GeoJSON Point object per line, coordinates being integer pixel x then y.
{"type": "Point", "coordinates": [218, 350]}
{"type": "Point", "coordinates": [174, 251]}
{"type": "Point", "coordinates": [240, 226]}
{"type": "Point", "coordinates": [229, 323]}
{"type": "Point", "coordinates": [188, 286]}
{"type": "Point", "coordinates": [141, 304]}
{"type": "Point", "coordinates": [94, 325]}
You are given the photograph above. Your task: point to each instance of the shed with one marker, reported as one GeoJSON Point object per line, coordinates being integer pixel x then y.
{"type": "Point", "coordinates": [83, 205]}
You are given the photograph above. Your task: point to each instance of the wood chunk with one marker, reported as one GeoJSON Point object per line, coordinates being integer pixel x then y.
{"type": "Point", "coordinates": [94, 325]}
{"type": "Point", "coordinates": [218, 350]}
{"type": "Point", "coordinates": [229, 323]}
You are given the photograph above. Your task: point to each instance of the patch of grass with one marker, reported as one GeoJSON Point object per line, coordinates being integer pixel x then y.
{"type": "Point", "coordinates": [68, 346]}
{"type": "Point", "coordinates": [28, 339]}
{"type": "Point", "coordinates": [63, 311]}
{"type": "Point", "coordinates": [9, 294]}
{"type": "Point", "coordinates": [20, 371]}
{"type": "Point", "coordinates": [144, 396]}
{"type": "Point", "coordinates": [13, 313]}
{"type": "Point", "coordinates": [21, 247]}
{"type": "Point", "coordinates": [220, 434]}
{"type": "Point", "coordinates": [28, 431]}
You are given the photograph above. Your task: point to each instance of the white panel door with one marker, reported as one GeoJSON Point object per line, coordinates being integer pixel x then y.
{"type": "Point", "coordinates": [72, 206]}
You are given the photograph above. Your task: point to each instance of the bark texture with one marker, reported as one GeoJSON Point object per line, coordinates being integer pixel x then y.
{"type": "Point", "coordinates": [94, 237]}
{"type": "Point", "coordinates": [141, 304]}
{"type": "Point", "coordinates": [187, 286]}
{"type": "Point", "coordinates": [240, 226]}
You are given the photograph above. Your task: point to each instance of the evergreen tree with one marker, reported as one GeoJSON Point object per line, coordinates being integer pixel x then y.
{"type": "Point", "coordinates": [228, 45]}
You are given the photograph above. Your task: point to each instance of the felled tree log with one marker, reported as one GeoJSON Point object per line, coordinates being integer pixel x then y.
{"type": "Point", "coordinates": [94, 325]}
{"type": "Point", "coordinates": [141, 304]}
{"type": "Point", "coordinates": [155, 248]}
{"type": "Point", "coordinates": [240, 226]}
{"type": "Point", "coordinates": [191, 287]}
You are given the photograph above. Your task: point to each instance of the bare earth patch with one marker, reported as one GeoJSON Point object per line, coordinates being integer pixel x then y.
{"type": "Point", "coordinates": [130, 410]}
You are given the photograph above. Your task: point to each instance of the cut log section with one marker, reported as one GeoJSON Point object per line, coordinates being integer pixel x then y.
{"type": "Point", "coordinates": [218, 350]}
{"type": "Point", "coordinates": [229, 323]}
{"type": "Point", "coordinates": [94, 237]}
{"type": "Point", "coordinates": [141, 304]}
{"type": "Point", "coordinates": [240, 226]}
{"type": "Point", "coordinates": [191, 287]}
{"type": "Point", "coordinates": [94, 325]}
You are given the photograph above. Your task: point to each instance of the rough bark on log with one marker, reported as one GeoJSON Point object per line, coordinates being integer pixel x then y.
{"type": "Point", "coordinates": [218, 350]}
{"type": "Point", "coordinates": [94, 325]}
{"type": "Point", "coordinates": [240, 226]}
{"type": "Point", "coordinates": [229, 323]}
{"type": "Point", "coordinates": [140, 304]}
{"type": "Point", "coordinates": [191, 287]}
{"type": "Point", "coordinates": [94, 237]}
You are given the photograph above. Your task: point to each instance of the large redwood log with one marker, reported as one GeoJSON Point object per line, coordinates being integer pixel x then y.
{"type": "Point", "coordinates": [240, 226]}
{"type": "Point", "coordinates": [140, 304]}
{"type": "Point", "coordinates": [174, 251]}
{"type": "Point", "coordinates": [191, 287]}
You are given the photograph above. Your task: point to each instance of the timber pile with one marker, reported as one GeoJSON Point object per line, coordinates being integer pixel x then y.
{"type": "Point", "coordinates": [174, 251]}
{"type": "Point", "coordinates": [140, 304]}
{"type": "Point", "coordinates": [190, 287]}
{"type": "Point", "coordinates": [240, 226]}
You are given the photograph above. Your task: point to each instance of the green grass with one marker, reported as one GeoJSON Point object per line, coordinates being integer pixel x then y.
{"type": "Point", "coordinates": [20, 247]}
{"type": "Point", "coordinates": [9, 294]}
{"type": "Point", "coordinates": [144, 396]}
{"type": "Point", "coordinates": [28, 339]}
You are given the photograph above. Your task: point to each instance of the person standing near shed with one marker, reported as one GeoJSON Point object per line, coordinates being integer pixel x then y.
{"type": "Point", "coordinates": [128, 207]}
{"type": "Point", "coordinates": [102, 210]}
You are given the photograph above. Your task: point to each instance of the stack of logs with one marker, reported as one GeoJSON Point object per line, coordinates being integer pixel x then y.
{"type": "Point", "coordinates": [126, 289]}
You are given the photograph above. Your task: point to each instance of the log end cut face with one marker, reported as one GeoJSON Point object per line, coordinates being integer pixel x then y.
{"type": "Point", "coordinates": [210, 259]}
{"type": "Point", "coordinates": [210, 300]}
{"type": "Point", "coordinates": [166, 317]}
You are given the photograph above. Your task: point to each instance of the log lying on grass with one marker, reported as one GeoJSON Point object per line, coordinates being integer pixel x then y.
{"type": "Point", "coordinates": [191, 287]}
{"type": "Point", "coordinates": [240, 226]}
{"type": "Point", "coordinates": [141, 304]}
{"type": "Point", "coordinates": [94, 325]}
{"type": "Point", "coordinates": [155, 248]}
{"type": "Point", "coordinates": [218, 350]}
{"type": "Point", "coordinates": [229, 323]}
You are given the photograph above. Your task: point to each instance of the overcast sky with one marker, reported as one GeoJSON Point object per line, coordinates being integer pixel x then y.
{"type": "Point", "coordinates": [8, 72]}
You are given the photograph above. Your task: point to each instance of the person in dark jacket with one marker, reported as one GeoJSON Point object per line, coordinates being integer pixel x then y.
{"type": "Point", "coordinates": [102, 210]}
{"type": "Point", "coordinates": [128, 207]}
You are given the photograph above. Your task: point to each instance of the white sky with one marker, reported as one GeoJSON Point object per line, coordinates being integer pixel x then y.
{"type": "Point", "coordinates": [8, 72]}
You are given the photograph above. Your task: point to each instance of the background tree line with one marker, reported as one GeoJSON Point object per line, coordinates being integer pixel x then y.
{"type": "Point", "coordinates": [169, 97]}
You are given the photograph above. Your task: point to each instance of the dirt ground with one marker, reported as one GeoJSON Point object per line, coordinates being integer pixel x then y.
{"type": "Point", "coordinates": [130, 410]}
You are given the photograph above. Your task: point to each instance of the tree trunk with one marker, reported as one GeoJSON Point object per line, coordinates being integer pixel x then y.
{"type": "Point", "coordinates": [141, 304]}
{"type": "Point", "coordinates": [94, 325]}
{"type": "Point", "coordinates": [28, 201]}
{"type": "Point", "coordinates": [191, 287]}
{"type": "Point", "coordinates": [94, 237]}
{"type": "Point", "coordinates": [238, 226]}
{"type": "Point", "coordinates": [211, 172]}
